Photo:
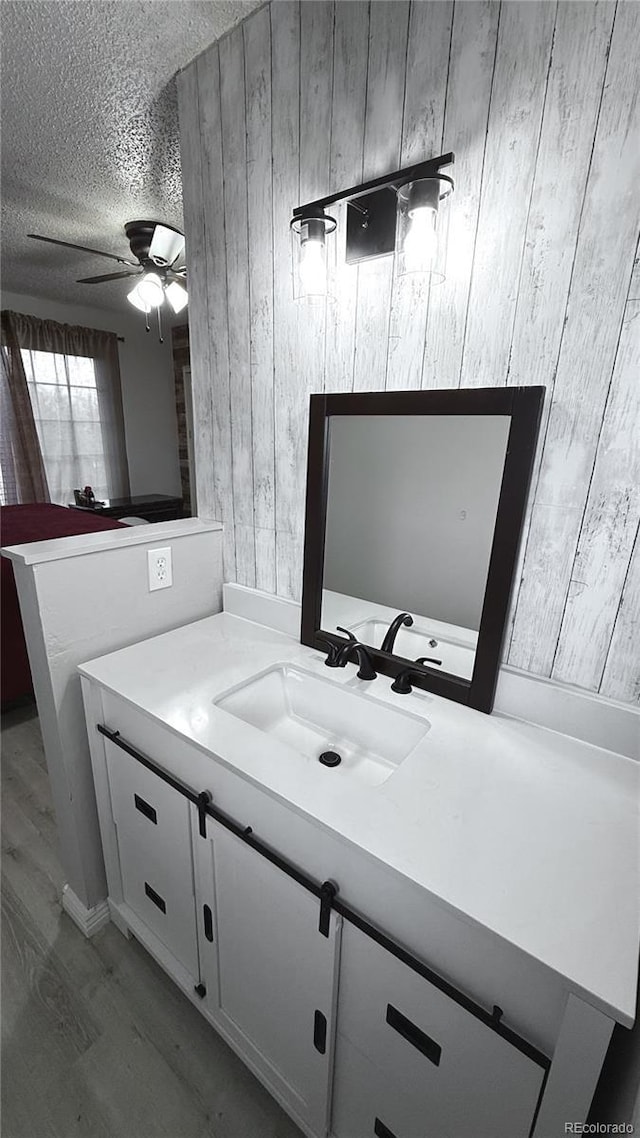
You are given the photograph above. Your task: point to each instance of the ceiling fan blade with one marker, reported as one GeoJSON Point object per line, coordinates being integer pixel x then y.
{"type": "Point", "coordinates": [108, 277]}
{"type": "Point", "coordinates": [83, 248]}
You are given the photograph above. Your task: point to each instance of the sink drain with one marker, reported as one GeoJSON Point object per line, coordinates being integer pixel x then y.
{"type": "Point", "coordinates": [330, 759]}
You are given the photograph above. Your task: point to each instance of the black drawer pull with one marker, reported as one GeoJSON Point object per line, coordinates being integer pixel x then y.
{"type": "Point", "coordinates": [145, 809]}
{"type": "Point", "coordinates": [155, 897]}
{"type": "Point", "coordinates": [208, 922]}
{"type": "Point", "coordinates": [413, 1035]}
{"type": "Point", "coordinates": [382, 1131]}
{"type": "Point", "coordinates": [320, 1032]}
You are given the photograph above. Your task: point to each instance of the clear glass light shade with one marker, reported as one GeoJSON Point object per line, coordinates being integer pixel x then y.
{"type": "Point", "coordinates": [136, 300]}
{"type": "Point", "coordinates": [313, 251]}
{"type": "Point", "coordinates": [422, 225]}
{"type": "Point", "coordinates": [150, 290]}
{"type": "Point", "coordinates": [177, 296]}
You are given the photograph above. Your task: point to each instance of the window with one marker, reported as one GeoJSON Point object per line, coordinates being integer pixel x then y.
{"type": "Point", "coordinates": [62, 420]}
{"type": "Point", "coordinates": [66, 409]}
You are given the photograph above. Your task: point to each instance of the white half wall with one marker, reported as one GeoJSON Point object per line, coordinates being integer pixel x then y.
{"type": "Point", "coordinates": [148, 397]}
{"type": "Point", "coordinates": [82, 597]}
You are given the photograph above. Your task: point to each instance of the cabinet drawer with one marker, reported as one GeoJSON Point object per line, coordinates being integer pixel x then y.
{"type": "Point", "coordinates": [423, 1066]}
{"type": "Point", "coordinates": [154, 845]}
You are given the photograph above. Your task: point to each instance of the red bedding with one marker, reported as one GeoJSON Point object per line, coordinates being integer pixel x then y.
{"type": "Point", "coordinates": [21, 524]}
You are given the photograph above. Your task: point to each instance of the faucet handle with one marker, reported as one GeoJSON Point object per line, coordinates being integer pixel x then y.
{"type": "Point", "coordinates": [346, 632]}
{"type": "Point", "coordinates": [333, 653]}
{"type": "Point", "coordinates": [402, 682]}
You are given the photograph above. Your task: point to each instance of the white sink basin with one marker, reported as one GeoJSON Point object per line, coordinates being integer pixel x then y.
{"type": "Point", "coordinates": [313, 715]}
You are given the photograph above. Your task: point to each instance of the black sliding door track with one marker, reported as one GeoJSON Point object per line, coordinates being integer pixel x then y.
{"type": "Point", "coordinates": [326, 893]}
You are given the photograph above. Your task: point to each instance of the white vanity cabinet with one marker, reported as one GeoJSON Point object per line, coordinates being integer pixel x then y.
{"type": "Point", "coordinates": [371, 1018]}
{"type": "Point", "coordinates": [152, 825]}
{"type": "Point", "coordinates": [271, 976]}
{"type": "Point", "coordinates": [412, 1062]}
{"type": "Point", "coordinates": [238, 934]}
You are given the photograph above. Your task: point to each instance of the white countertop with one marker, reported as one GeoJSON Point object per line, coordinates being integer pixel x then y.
{"type": "Point", "coordinates": [532, 834]}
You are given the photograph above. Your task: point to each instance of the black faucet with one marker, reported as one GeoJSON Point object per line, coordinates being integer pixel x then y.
{"type": "Point", "coordinates": [404, 680]}
{"type": "Point", "coordinates": [392, 631]}
{"type": "Point", "coordinates": [335, 649]}
{"type": "Point", "coordinates": [366, 671]}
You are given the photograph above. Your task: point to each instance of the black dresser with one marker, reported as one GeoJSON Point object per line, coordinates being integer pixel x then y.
{"type": "Point", "coordinates": [151, 507]}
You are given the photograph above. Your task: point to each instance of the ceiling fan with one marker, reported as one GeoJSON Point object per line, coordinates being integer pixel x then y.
{"type": "Point", "coordinates": [158, 249]}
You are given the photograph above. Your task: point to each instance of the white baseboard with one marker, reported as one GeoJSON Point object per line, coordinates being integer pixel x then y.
{"type": "Point", "coordinates": [89, 921]}
{"type": "Point", "coordinates": [559, 707]}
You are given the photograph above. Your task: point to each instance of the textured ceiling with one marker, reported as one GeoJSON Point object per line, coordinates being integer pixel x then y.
{"type": "Point", "coordinates": [90, 131]}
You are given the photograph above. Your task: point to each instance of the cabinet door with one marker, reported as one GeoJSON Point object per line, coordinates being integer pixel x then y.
{"type": "Point", "coordinates": [413, 1063]}
{"type": "Point", "coordinates": [154, 846]}
{"type": "Point", "coordinates": [274, 992]}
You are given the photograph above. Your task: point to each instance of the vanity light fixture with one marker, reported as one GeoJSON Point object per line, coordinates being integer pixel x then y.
{"type": "Point", "coordinates": [312, 270]}
{"type": "Point", "coordinates": [405, 212]}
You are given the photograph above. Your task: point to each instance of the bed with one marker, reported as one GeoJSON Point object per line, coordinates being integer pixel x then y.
{"type": "Point", "coordinates": [20, 524]}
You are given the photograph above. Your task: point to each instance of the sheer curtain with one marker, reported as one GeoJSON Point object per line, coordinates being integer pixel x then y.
{"type": "Point", "coordinates": [22, 472]}
{"type": "Point", "coordinates": [73, 379]}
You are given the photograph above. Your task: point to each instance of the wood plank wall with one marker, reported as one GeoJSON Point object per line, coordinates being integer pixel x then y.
{"type": "Point", "coordinates": [540, 103]}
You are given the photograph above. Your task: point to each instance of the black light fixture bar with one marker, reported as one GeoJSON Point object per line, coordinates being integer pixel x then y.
{"type": "Point", "coordinates": [428, 169]}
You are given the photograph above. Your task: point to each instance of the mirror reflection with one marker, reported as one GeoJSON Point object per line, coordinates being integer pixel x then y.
{"type": "Point", "coordinates": [411, 509]}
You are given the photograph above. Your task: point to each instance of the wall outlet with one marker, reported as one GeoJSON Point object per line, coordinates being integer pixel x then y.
{"type": "Point", "coordinates": [159, 568]}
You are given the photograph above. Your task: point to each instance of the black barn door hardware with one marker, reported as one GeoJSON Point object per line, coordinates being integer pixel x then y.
{"type": "Point", "coordinates": [327, 896]}
{"type": "Point", "coordinates": [204, 798]}
{"type": "Point", "coordinates": [330, 900]}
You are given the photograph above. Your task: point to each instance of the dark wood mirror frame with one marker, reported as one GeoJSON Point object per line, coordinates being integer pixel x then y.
{"type": "Point", "coordinates": [524, 406]}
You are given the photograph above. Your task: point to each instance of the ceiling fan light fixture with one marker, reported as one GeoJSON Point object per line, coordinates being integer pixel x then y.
{"type": "Point", "coordinates": [166, 246]}
{"type": "Point", "coordinates": [150, 290]}
{"type": "Point", "coordinates": [136, 300]}
{"type": "Point", "coordinates": [177, 296]}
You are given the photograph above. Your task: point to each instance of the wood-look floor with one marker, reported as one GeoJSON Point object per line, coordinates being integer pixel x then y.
{"type": "Point", "coordinates": [96, 1041]}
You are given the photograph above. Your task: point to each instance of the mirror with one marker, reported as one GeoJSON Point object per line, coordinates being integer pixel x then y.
{"type": "Point", "coordinates": [415, 502]}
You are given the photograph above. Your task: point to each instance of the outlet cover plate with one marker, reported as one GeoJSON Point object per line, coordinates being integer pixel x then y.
{"type": "Point", "coordinates": [159, 568]}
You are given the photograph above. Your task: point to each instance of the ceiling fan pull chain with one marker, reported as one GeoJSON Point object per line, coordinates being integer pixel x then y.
{"type": "Point", "coordinates": [146, 320]}
{"type": "Point", "coordinates": [160, 326]}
